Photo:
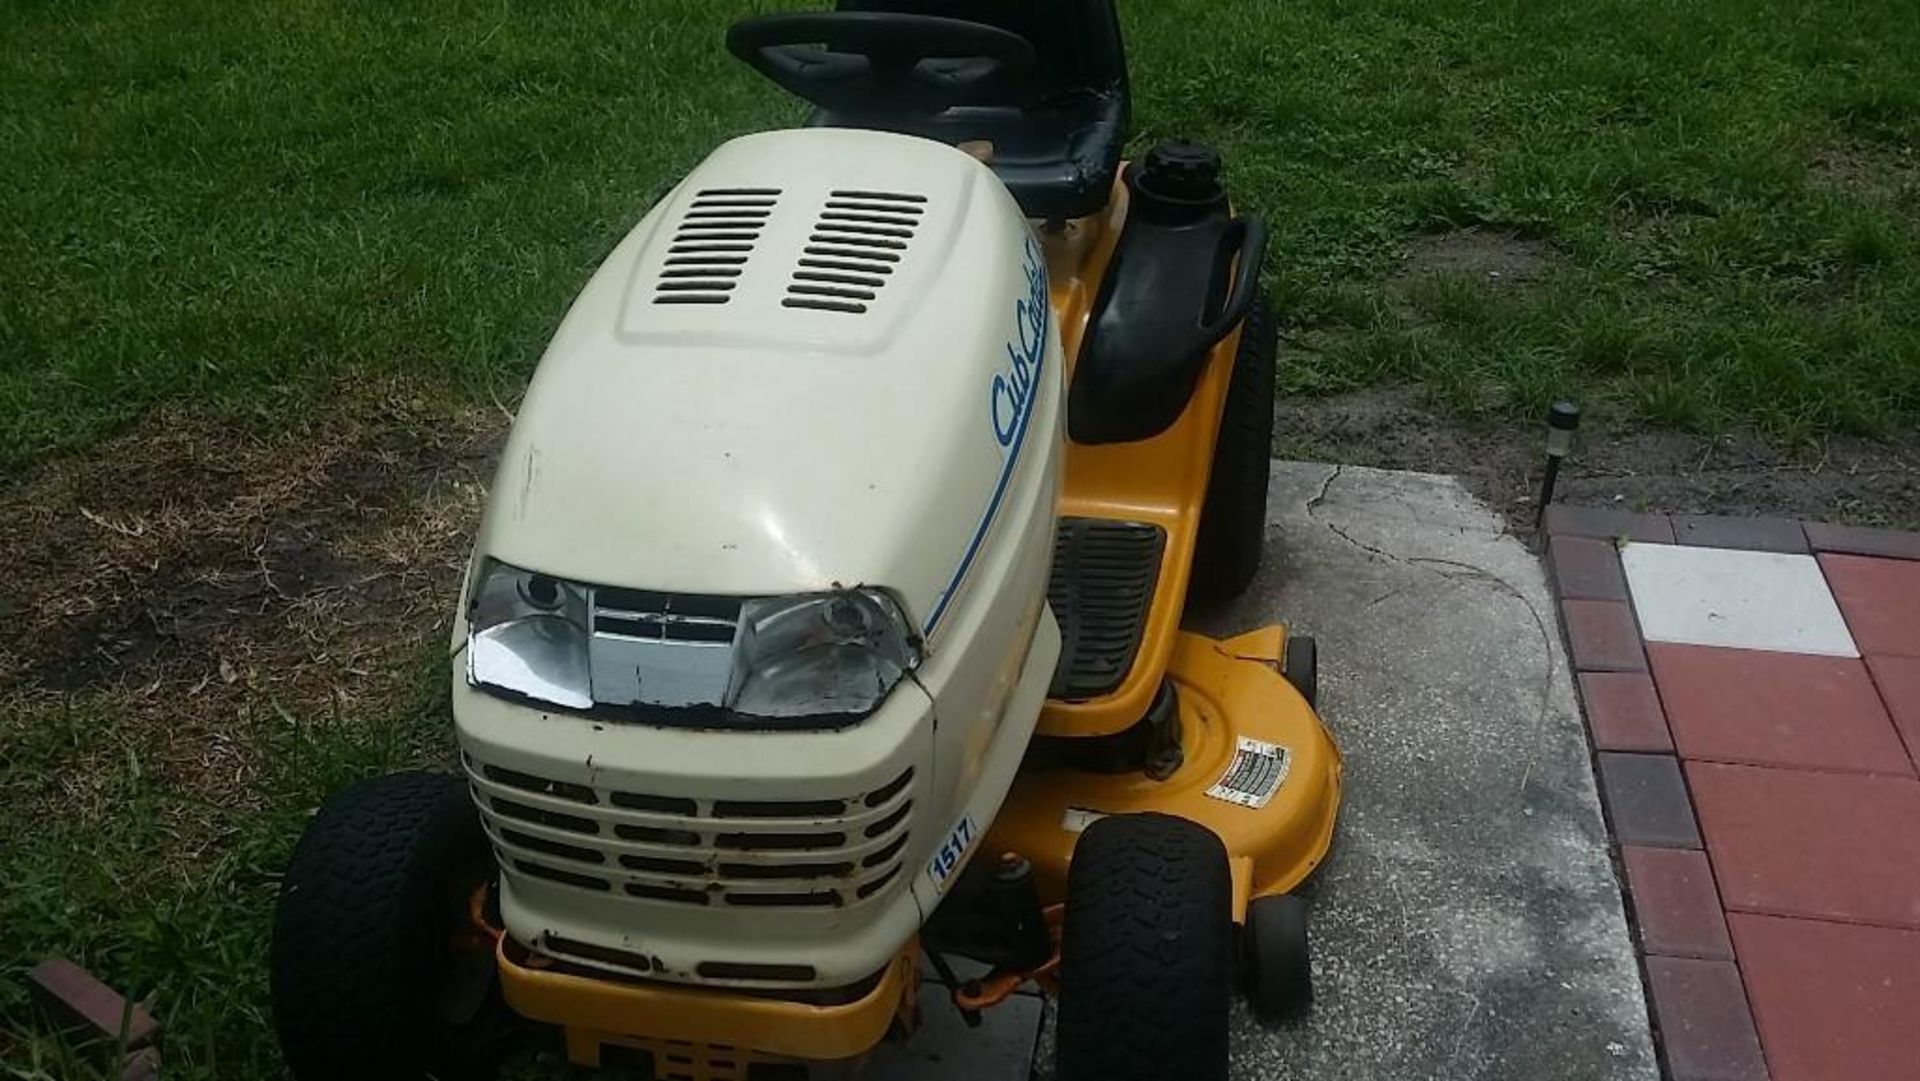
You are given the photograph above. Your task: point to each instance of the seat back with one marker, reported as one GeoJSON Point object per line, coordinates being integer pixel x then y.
{"type": "Point", "coordinates": [1058, 131]}
{"type": "Point", "coordinates": [1077, 42]}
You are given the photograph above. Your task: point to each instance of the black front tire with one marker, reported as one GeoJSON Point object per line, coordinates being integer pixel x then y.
{"type": "Point", "coordinates": [1276, 964]}
{"type": "Point", "coordinates": [365, 976]}
{"type": "Point", "coordinates": [1233, 521]}
{"type": "Point", "coordinates": [1146, 966]}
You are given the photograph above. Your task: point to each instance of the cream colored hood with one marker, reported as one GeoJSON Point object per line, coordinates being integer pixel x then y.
{"type": "Point", "coordinates": [811, 365]}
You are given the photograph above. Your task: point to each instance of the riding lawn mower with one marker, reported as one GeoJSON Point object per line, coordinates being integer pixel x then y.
{"type": "Point", "coordinates": [823, 632]}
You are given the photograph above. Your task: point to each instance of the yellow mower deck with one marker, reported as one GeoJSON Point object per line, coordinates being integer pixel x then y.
{"type": "Point", "coordinates": [1230, 692]}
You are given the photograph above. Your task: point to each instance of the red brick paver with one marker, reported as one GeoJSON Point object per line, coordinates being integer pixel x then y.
{"type": "Point", "coordinates": [1624, 712]}
{"type": "Point", "coordinates": [1603, 636]}
{"type": "Point", "coordinates": [1830, 845]}
{"type": "Point", "coordinates": [1750, 534]}
{"type": "Point", "coordinates": [1833, 1001]}
{"type": "Point", "coordinates": [1859, 540]}
{"type": "Point", "coordinates": [1704, 1021]}
{"type": "Point", "coordinates": [1899, 681]}
{"type": "Point", "coordinates": [1587, 569]}
{"type": "Point", "coordinates": [1607, 523]}
{"type": "Point", "coordinates": [1881, 600]}
{"type": "Point", "coordinates": [1647, 800]}
{"type": "Point", "coordinates": [1675, 903]}
{"type": "Point", "coordinates": [1776, 709]}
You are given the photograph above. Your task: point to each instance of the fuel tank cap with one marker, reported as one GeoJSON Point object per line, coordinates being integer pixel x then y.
{"type": "Point", "coordinates": [1183, 170]}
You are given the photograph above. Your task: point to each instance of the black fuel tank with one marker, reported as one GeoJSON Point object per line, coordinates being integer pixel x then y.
{"type": "Point", "coordinates": [1172, 291]}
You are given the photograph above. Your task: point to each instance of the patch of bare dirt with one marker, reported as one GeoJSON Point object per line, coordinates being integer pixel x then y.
{"type": "Point", "coordinates": [1845, 480]}
{"type": "Point", "coordinates": [190, 578]}
{"type": "Point", "coordinates": [1872, 171]}
{"type": "Point", "coordinates": [1487, 256]}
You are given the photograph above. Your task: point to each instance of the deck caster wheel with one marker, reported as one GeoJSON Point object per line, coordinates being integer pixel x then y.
{"type": "Point", "coordinates": [1276, 967]}
{"type": "Point", "coordinates": [1146, 961]}
{"type": "Point", "coordinates": [1301, 666]}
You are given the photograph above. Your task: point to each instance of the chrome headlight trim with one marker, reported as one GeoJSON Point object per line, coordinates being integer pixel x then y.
{"type": "Point", "coordinates": [808, 660]}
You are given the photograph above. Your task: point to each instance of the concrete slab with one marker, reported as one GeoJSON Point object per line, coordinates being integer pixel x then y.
{"type": "Point", "coordinates": [1468, 923]}
{"type": "Point", "coordinates": [945, 1049]}
{"type": "Point", "coordinates": [1742, 600]}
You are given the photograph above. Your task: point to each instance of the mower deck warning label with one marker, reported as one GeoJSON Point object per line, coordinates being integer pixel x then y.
{"type": "Point", "coordinates": [1257, 771]}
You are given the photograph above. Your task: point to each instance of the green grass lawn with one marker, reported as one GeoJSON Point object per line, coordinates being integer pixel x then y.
{"type": "Point", "coordinates": [244, 203]}
{"type": "Point", "coordinates": [248, 203]}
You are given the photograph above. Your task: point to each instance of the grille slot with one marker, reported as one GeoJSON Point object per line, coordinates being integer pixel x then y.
{"type": "Point", "coordinates": [710, 246]}
{"type": "Point", "coordinates": [578, 793]}
{"type": "Point", "coordinates": [654, 836]}
{"type": "Point", "coordinates": [671, 805]}
{"type": "Point", "coordinates": [780, 842]}
{"type": "Point", "coordinates": [660, 849]}
{"type": "Point", "coordinates": [556, 819]}
{"type": "Point", "coordinates": [565, 878]}
{"type": "Point", "coordinates": [868, 889]}
{"type": "Point", "coordinates": [816, 899]}
{"type": "Point", "coordinates": [606, 955]}
{"type": "Point", "coordinates": [857, 240]}
{"type": "Point", "coordinates": [815, 808]}
{"type": "Point", "coordinates": [552, 848]}
{"type": "Point", "coordinates": [1102, 585]}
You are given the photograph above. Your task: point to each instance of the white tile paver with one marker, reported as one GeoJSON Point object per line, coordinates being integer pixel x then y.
{"type": "Point", "coordinates": [1737, 599]}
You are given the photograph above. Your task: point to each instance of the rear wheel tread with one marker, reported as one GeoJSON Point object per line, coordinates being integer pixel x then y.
{"type": "Point", "coordinates": [1233, 521]}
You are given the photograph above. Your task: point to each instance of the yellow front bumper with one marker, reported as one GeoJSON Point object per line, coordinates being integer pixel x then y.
{"type": "Point", "coordinates": [719, 1033]}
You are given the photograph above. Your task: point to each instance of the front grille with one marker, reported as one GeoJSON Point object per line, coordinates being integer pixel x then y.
{"type": "Point", "coordinates": [1102, 587]}
{"type": "Point", "coordinates": [653, 849]}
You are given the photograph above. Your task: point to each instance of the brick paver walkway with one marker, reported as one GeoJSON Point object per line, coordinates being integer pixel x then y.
{"type": "Point", "coordinates": [1752, 692]}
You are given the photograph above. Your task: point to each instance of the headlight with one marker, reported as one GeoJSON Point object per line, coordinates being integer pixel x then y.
{"type": "Point", "coordinates": [686, 660]}
{"type": "Point", "coordinates": [830, 653]}
{"type": "Point", "coordinates": [527, 635]}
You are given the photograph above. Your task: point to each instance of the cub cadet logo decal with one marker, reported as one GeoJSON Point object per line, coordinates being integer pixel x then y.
{"type": "Point", "coordinates": [1015, 389]}
{"type": "Point", "coordinates": [1010, 404]}
{"type": "Point", "coordinates": [947, 860]}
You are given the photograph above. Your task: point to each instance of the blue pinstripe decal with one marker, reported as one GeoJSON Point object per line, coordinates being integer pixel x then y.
{"type": "Point", "coordinates": [1036, 271]}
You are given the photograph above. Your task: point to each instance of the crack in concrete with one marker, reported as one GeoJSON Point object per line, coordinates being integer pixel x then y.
{"type": "Point", "coordinates": [1468, 572]}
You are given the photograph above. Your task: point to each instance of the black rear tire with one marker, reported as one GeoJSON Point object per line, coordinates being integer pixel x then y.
{"type": "Point", "coordinates": [365, 978]}
{"type": "Point", "coordinates": [1146, 966]}
{"type": "Point", "coordinates": [1277, 968]}
{"type": "Point", "coordinates": [1233, 521]}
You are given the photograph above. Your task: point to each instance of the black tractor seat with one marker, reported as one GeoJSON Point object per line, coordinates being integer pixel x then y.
{"type": "Point", "coordinates": [1057, 158]}
{"type": "Point", "coordinates": [1058, 129]}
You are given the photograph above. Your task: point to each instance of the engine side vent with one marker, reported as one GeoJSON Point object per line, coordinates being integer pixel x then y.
{"type": "Point", "coordinates": [855, 246]}
{"type": "Point", "coordinates": [710, 248]}
{"type": "Point", "coordinates": [1104, 573]}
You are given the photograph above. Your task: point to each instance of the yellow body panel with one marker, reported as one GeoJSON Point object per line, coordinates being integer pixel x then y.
{"type": "Point", "coordinates": [1160, 481]}
{"type": "Point", "coordinates": [706, 1027]}
{"type": "Point", "coordinates": [1227, 690]}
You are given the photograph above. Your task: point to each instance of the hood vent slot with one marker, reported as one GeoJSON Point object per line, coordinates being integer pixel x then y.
{"type": "Point", "coordinates": [855, 246]}
{"type": "Point", "coordinates": [710, 248]}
